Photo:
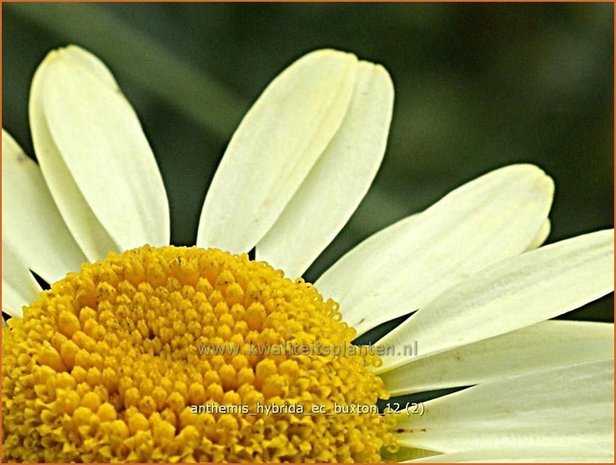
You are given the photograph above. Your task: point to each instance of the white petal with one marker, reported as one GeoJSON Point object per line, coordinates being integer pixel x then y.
{"type": "Point", "coordinates": [405, 266]}
{"type": "Point", "coordinates": [543, 234]}
{"type": "Point", "coordinates": [275, 146]}
{"type": "Point", "coordinates": [536, 455]}
{"type": "Point", "coordinates": [560, 409]}
{"type": "Point", "coordinates": [406, 454]}
{"type": "Point", "coordinates": [539, 347]}
{"type": "Point", "coordinates": [94, 156]}
{"type": "Point", "coordinates": [512, 294]}
{"type": "Point", "coordinates": [31, 219]}
{"type": "Point", "coordinates": [338, 181]}
{"type": "Point", "coordinates": [19, 287]}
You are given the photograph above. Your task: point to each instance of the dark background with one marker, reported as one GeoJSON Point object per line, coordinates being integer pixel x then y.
{"type": "Point", "coordinates": [478, 86]}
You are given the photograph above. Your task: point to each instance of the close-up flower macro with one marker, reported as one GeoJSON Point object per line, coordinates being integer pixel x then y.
{"type": "Point", "coordinates": [439, 337]}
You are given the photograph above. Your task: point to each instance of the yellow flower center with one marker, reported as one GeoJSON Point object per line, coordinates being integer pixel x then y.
{"type": "Point", "coordinates": [184, 354]}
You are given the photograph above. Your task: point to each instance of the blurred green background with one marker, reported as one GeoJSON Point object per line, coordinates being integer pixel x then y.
{"type": "Point", "coordinates": [478, 86]}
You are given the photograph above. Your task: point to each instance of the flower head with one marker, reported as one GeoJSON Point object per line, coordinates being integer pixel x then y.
{"type": "Point", "coordinates": [142, 351]}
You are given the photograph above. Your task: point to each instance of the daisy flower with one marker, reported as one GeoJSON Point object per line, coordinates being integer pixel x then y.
{"type": "Point", "coordinates": [110, 363]}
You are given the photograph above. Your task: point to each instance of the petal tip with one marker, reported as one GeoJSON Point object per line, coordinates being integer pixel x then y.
{"type": "Point", "coordinates": [326, 57]}
{"type": "Point", "coordinates": [379, 70]}
{"type": "Point", "coordinates": [542, 182]}
{"type": "Point", "coordinates": [75, 59]}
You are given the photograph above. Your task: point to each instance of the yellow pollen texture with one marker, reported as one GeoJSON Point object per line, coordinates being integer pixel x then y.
{"type": "Point", "coordinates": [136, 357]}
